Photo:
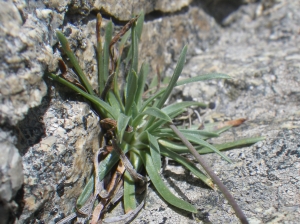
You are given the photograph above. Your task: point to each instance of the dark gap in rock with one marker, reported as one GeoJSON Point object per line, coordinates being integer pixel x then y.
{"type": "Point", "coordinates": [19, 199]}
{"type": "Point", "coordinates": [23, 16]}
{"type": "Point", "coordinates": [31, 129]}
{"type": "Point", "coordinates": [80, 19]}
{"type": "Point", "coordinates": [75, 18]}
{"type": "Point", "coordinates": [294, 97]}
{"type": "Point", "coordinates": [106, 15]}
{"type": "Point", "coordinates": [218, 9]}
{"type": "Point", "coordinates": [6, 213]}
{"type": "Point", "coordinates": [157, 14]}
{"type": "Point", "coordinates": [203, 215]}
{"type": "Point", "coordinates": [38, 213]}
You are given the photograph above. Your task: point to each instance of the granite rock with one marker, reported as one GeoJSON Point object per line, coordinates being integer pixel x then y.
{"type": "Point", "coordinates": [26, 43]}
{"type": "Point", "coordinates": [56, 168]}
{"type": "Point", "coordinates": [56, 132]}
{"type": "Point", "coordinates": [11, 176]}
{"type": "Point", "coordinates": [25, 54]}
{"type": "Point", "coordinates": [124, 10]}
{"type": "Point", "coordinates": [258, 46]}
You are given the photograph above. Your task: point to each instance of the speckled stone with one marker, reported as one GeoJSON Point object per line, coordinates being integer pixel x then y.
{"type": "Point", "coordinates": [11, 176]}
{"type": "Point", "coordinates": [56, 168]}
{"type": "Point", "coordinates": [124, 10]}
{"type": "Point", "coordinates": [25, 52]}
{"type": "Point", "coordinates": [56, 132]}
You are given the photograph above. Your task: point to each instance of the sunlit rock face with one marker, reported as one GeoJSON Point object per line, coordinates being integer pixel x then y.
{"type": "Point", "coordinates": [48, 134]}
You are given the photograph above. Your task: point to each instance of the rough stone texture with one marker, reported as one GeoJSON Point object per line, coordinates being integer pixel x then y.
{"type": "Point", "coordinates": [26, 39]}
{"type": "Point", "coordinates": [264, 179]}
{"type": "Point", "coordinates": [123, 10]}
{"type": "Point", "coordinates": [11, 176]}
{"type": "Point", "coordinates": [25, 53]}
{"type": "Point", "coordinates": [256, 43]}
{"type": "Point", "coordinates": [56, 168]}
{"type": "Point", "coordinates": [258, 47]}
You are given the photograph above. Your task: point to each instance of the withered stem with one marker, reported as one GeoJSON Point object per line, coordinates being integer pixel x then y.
{"type": "Point", "coordinates": [238, 211]}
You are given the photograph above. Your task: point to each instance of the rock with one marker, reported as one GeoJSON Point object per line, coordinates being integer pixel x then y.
{"type": "Point", "coordinates": [11, 176]}
{"type": "Point", "coordinates": [124, 10]}
{"type": "Point", "coordinates": [262, 178]}
{"type": "Point", "coordinates": [56, 132]}
{"type": "Point", "coordinates": [260, 53]}
{"type": "Point", "coordinates": [26, 52]}
{"type": "Point", "coordinates": [57, 167]}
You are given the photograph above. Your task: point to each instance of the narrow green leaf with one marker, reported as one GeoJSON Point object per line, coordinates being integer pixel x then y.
{"type": "Point", "coordinates": [134, 111]}
{"type": "Point", "coordinates": [116, 77]}
{"type": "Point", "coordinates": [188, 164]}
{"type": "Point", "coordinates": [211, 173]}
{"type": "Point", "coordinates": [180, 148]}
{"type": "Point", "coordinates": [104, 167]}
{"type": "Point", "coordinates": [164, 135]}
{"type": "Point", "coordinates": [123, 41]}
{"type": "Point", "coordinates": [201, 142]}
{"type": "Point", "coordinates": [136, 161]}
{"type": "Point", "coordinates": [154, 112]}
{"type": "Point", "coordinates": [65, 44]}
{"type": "Point", "coordinates": [174, 146]}
{"type": "Point", "coordinates": [168, 90]}
{"type": "Point", "coordinates": [223, 129]}
{"type": "Point", "coordinates": [99, 56]}
{"type": "Point", "coordinates": [134, 44]}
{"type": "Point", "coordinates": [151, 100]}
{"type": "Point", "coordinates": [123, 121]}
{"type": "Point", "coordinates": [155, 152]}
{"type": "Point", "coordinates": [216, 127]}
{"type": "Point", "coordinates": [129, 193]}
{"type": "Point", "coordinates": [182, 82]}
{"type": "Point", "coordinates": [197, 133]}
{"type": "Point", "coordinates": [160, 185]}
{"type": "Point", "coordinates": [141, 84]}
{"type": "Point", "coordinates": [139, 25]}
{"type": "Point", "coordinates": [185, 81]}
{"type": "Point", "coordinates": [166, 80]}
{"type": "Point", "coordinates": [203, 78]}
{"type": "Point", "coordinates": [130, 91]}
{"type": "Point", "coordinates": [157, 113]}
{"type": "Point", "coordinates": [129, 184]}
{"type": "Point", "coordinates": [154, 82]}
{"type": "Point", "coordinates": [132, 55]}
{"type": "Point", "coordinates": [182, 105]}
{"type": "Point", "coordinates": [231, 145]}
{"type": "Point", "coordinates": [113, 101]}
{"type": "Point", "coordinates": [99, 104]}
{"type": "Point", "coordinates": [108, 36]}
{"type": "Point", "coordinates": [176, 113]}
{"type": "Point", "coordinates": [157, 124]}
{"type": "Point", "coordinates": [102, 104]}
{"type": "Point", "coordinates": [127, 60]}
{"type": "Point", "coordinates": [174, 78]}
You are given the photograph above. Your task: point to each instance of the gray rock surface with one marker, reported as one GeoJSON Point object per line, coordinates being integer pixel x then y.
{"type": "Point", "coordinates": [11, 176]}
{"type": "Point", "coordinates": [257, 44]}
{"type": "Point", "coordinates": [264, 179]}
{"type": "Point", "coordinates": [259, 49]}
{"type": "Point", "coordinates": [56, 168]}
{"type": "Point", "coordinates": [25, 53]}
{"type": "Point", "coordinates": [123, 10]}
